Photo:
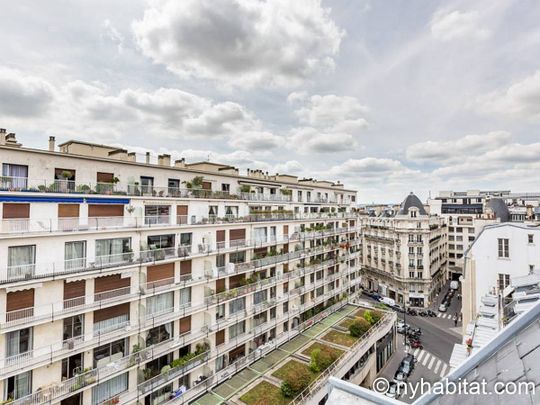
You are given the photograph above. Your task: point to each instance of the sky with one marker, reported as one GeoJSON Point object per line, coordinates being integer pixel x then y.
{"type": "Point", "coordinates": [388, 97]}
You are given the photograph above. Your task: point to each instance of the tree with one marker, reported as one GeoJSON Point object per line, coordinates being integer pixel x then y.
{"type": "Point", "coordinates": [359, 327]}
{"type": "Point", "coordinates": [322, 358]}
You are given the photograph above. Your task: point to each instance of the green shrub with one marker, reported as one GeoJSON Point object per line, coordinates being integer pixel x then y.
{"type": "Point", "coordinates": [360, 326]}
{"type": "Point", "coordinates": [322, 358]}
{"type": "Point", "coordinates": [295, 384]}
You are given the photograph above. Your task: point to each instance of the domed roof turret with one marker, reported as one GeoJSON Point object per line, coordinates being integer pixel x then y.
{"type": "Point", "coordinates": [499, 208]}
{"type": "Point", "coordinates": [412, 201]}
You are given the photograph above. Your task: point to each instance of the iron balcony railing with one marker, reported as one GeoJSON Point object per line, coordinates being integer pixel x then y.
{"type": "Point", "coordinates": [11, 183]}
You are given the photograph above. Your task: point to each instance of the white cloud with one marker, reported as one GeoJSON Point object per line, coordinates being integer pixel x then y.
{"type": "Point", "coordinates": [240, 42]}
{"type": "Point", "coordinates": [256, 141]}
{"type": "Point", "coordinates": [289, 167]}
{"type": "Point", "coordinates": [329, 123]}
{"type": "Point", "coordinates": [23, 95]}
{"type": "Point", "coordinates": [455, 25]}
{"type": "Point", "coordinates": [457, 149]}
{"type": "Point", "coordinates": [111, 33]}
{"type": "Point", "coordinates": [369, 167]}
{"type": "Point", "coordinates": [521, 99]}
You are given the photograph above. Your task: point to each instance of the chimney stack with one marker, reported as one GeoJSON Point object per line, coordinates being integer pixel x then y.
{"type": "Point", "coordinates": [132, 157]}
{"type": "Point", "coordinates": [180, 163]}
{"type": "Point", "coordinates": [2, 136]}
{"type": "Point", "coordinates": [165, 160]}
{"type": "Point", "coordinates": [147, 158]}
{"type": "Point", "coordinates": [51, 143]}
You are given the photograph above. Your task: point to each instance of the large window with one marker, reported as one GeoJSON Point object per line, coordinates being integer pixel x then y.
{"type": "Point", "coordinates": [237, 329]}
{"type": "Point", "coordinates": [160, 241]}
{"type": "Point", "coordinates": [110, 251]}
{"type": "Point", "coordinates": [109, 352]}
{"type": "Point", "coordinates": [503, 248]}
{"type": "Point", "coordinates": [503, 281]}
{"type": "Point", "coordinates": [75, 255]}
{"type": "Point", "coordinates": [156, 214]}
{"type": "Point", "coordinates": [19, 386]}
{"type": "Point", "coordinates": [260, 296]}
{"type": "Point", "coordinates": [64, 180]}
{"type": "Point", "coordinates": [73, 327]}
{"type": "Point", "coordinates": [237, 257]}
{"type": "Point", "coordinates": [237, 305]}
{"type": "Point", "coordinates": [147, 185]}
{"type": "Point", "coordinates": [260, 235]}
{"type": "Point", "coordinates": [109, 389]}
{"type": "Point", "coordinates": [185, 296]}
{"type": "Point", "coordinates": [18, 342]}
{"type": "Point", "coordinates": [14, 176]}
{"type": "Point", "coordinates": [159, 334]}
{"type": "Point", "coordinates": [159, 304]}
{"type": "Point", "coordinates": [21, 261]}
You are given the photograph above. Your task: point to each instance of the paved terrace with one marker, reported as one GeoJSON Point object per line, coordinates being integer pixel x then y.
{"type": "Point", "coordinates": [259, 374]}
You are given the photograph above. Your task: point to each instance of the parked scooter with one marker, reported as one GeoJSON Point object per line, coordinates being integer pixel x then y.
{"type": "Point", "coordinates": [431, 313]}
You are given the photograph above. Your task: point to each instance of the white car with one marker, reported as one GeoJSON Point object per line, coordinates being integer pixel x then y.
{"type": "Point", "coordinates": [401, 327]}
{"type": "Point", "coordinates": [442, 308]}
{"type": "Point", "coordinates": [392, 390]}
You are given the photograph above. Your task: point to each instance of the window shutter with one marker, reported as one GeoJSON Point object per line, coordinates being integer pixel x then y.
{"type": "Point", "coordinates": [74, 289]}
{"type": "Point", "coordinates": [160, 272]}
{"type": "Point", "coordinates": [185, 267]}
{"type": "Point", "coordinates": [105, 210]}
{"type": "Point", "coordinates": [16, 210]}
{"type": "Point", "coordinates": [19, 300]}
{"type": "Point", "coordinates": [220, 337]}
{"type": "Point", "coordinates": [185, 325]}
{"type": "Point", "coordinates": [68, 210]}
{"type": "Point", "coordinates": [108, 283]}
{"type": "Point", "coordinates": [112, 312]}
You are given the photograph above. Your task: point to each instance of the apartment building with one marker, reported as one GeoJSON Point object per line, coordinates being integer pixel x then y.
{"type": "Point", "coordinates": [124, 281]}
{"type": "Point", "coordinates": [404, 253]}
{"type": "Point", "coordinates": [501, 253]}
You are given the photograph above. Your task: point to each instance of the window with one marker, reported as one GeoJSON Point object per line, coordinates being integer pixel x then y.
{"type": "Point", "coordinates": [237, 257]}
{"type": "Point", "coordinates": [110, 251]}
{"type": "Point", "coordinates": [503, 247]}
{"type": "Point", "coordinates": [225, 187]}
{"type": "Point", "coordinates": [159, 334]}
{"type": "Point", "coordinates": [237, 329]}
{"type": "Point", "coordinates": [237, 305]}
{"type": "Point", "coordinates": [174, 187]}
{"type": "Point", "coordinates": [14, 176]}
{"type": "Point", "coordinates": [260, 235]}
{"type": "Point", "coordinates": [18, 342]}
{"type": "Point", "coordinates": [413, 213]}
{"type": "Point", "coordinates": [75, 255]}
{"type": "Point", "coordinates": [73, 327]}
{"type": "Point", "coordinates": [156, 214]}
{"type": "Point", "coordinates": [185, 296]}
{"type": "Point", "coordinates": [109, 352]}
{"type": "Point", "coordinates": [147, 184]}
{"type": "Point", "coordinates": [260, 296]}
{"type": "Point", "coordinates": [503, 281]}
{"type": "Point", "coordinates": [19, 386]}
{"type": "Point", "coordinates": [220, 362]}
{"type": "Point", "coordinates": [231, 211]}
{"type": "Point", "coordinates": [64, 180]}
{"type": "Point", "coordinates": [220, 312]}
{"type": "Point", "coordinates": [160, 241]}
{"type": "Point", "coordinates": [21, 261]}
{"type": "Point", "coordinates": [159, 304]}
{"type": "Point", "coordinates": [109, 389]}
{"type": "Point", "coordinates": [531, 238]}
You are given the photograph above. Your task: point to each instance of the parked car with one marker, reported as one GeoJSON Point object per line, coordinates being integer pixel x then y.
{"type": "Point", "coordinates": [400, 377]}
{"type": "Point", "coordinates": [392, 390]}
{"type": "Point", "coordinates": [398, 308]}
{"type": "Point", "coordinates": [443, 307]}
{"type": "Point", "coordinates": [402, 327]}
{"type": "Point", "coordinates": [407, 365]}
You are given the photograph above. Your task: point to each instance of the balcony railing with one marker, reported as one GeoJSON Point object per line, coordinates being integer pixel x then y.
{"type": "Point", "coordinates": [80, 224]}
{"type": "Point", "coordinates": [10, 183]}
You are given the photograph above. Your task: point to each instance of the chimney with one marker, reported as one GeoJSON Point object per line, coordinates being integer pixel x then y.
{"type": "Point", "coordinates": [160, 160]}
{"type": "Point", "coordinates": [51, 143]}
{"type": "Point", "coordinates": [132, 157]}
{"type": "Point", "coordinates": [166, 160]}
{"type": "Point", "coordinates": [2, 136]}
{"type": "Point", "coordinates": [180, 163]}
{"type": "Point", "coordinates": [147, 158]}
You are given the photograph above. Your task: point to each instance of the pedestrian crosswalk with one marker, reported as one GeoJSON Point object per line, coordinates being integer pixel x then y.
{"type": "Point", "coordinates": [444, 316]}
{"type": "Point", "coordinates": [431, 362]}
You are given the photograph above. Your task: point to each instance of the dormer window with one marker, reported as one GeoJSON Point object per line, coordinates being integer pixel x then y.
{"type": "Point", "coordinates": [412, 213]}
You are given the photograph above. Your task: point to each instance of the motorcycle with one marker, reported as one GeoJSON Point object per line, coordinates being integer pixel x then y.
{"type": "Point", "coordinates": [416, 344]}
{"type": "Point", "coordinates": [422, 313]}
{"type": "Point", "coordinates": [411, 312]}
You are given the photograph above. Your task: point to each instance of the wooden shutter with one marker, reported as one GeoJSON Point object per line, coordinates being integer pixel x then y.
{"type": "Point", "coordinates": [105, 177]}
{"type": "Point", "coordinates": [285, 267]}
{"type": "Point", "coordinates": [239, 350]}
{"type": "Point", "coordinates": [206, 185]}
{"type": "Point", "coordinates": [105, 210]}
{"type": "Point", "coordinates": [286, 286]}
{"type": "Point", "coordinates": [285, 230]}
{"type": "Point", "coordinates": [220, 236]}
{"type": "Point", "coordinates": [185, 267]}
{"type": "Point", "coordinates": [74, 289]}
{"type": "Point", "coordinates": [220, 337]}
{"type": "Point", "coordinates": [286, 248]}
{"type": "Point", "coordinates": [185, 325]}
{"type": "Point", "coordinates": [260, 251]}
{"type": "Point", "coordinates": [160, 272]}
{"type": "Point", "coordinates": [108, 283]}
{"type": "Point", "coordinates": [220, 285]}
{"type": "Point", "coordinates": [112, 312]}
{"type": "Point", "coordinates": [19, 300]}
{"type": "Point", "coordinates": [16, 210]}
{"type": "Point", "coordinates": [236, 281]}
{"type": "Point", "coordinates": [181, 214]}
{"type": "Point", "coordinates": [237, 234]}
{"type": "Point", "coordinates": [68, 210]}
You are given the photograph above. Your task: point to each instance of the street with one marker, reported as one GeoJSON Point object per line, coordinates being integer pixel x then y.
{"type": "Point", "coordinates": [439, 334]}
